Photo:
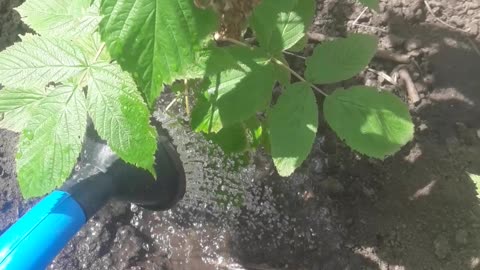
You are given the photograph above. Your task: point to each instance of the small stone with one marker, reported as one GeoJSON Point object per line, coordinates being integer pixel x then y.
{"type": "Point", "coordinates": [478, 133]}
{"type": "Point", "coordinates": [422, 127]}
{"type": "Point", "coordinates": [370, 82]}
{"type": "Point", "coordinates": [412, 44]}
{"type": "Point", "coordinates": [441, 246]}
{"type": "Point", "coordinates": [461, 237]}
{"type": "Point", "coordinates": [429, 79]}
{"type": "Point", "coordinates": [332, 186]}
{"type": "Point", "coordinates": [473, 28]}
{"type": "Point", "coordinates": [456, 20]}
{"type": "Point", "coordinates": [317, 165]}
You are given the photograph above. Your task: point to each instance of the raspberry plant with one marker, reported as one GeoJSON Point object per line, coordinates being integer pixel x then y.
{"type": "Point", "coordinates": [109, 60]}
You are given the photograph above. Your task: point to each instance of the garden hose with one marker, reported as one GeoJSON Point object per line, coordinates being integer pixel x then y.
{"type": "Point", "coordinates": [37, 237]}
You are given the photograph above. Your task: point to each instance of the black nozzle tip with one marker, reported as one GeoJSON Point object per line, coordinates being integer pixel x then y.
{"type": "Point", "coordinates": [102, 175]}
{"type": "Point", "coordinates": [140, 187]}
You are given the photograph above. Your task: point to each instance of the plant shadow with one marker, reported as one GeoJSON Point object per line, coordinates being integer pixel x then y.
{"type": "Point", "coordinates": [415, 210]}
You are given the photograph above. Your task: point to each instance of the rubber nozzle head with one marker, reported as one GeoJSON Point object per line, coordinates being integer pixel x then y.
{"type": "Point", "coordinates": [101, 175]}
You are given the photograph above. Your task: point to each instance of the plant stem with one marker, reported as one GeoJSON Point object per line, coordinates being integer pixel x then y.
{"type": "Point", "coordinates": [187, 101]}
{"type": "Point", "coordinates": [236, 42]}
{"type": "Point", "coordinates": [99, 52]}
{"type": "Point", "coordinates": [320, 91]}
{"type": "Point", "coordinates": [294, 54]}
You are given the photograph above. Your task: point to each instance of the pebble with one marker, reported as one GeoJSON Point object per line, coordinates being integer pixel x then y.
{"type": "Point", "coordinates": [441, 246]}
{"type": "Point", "coordinates": [456, 20]}
{"type": "Point", "coordinates": [473, 28]}
{"type": "Point", "coordinates": [422, 127]}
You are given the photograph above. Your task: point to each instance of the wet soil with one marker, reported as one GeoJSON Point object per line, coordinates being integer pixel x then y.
{"type": "Point", "coordinates": [415, 210]}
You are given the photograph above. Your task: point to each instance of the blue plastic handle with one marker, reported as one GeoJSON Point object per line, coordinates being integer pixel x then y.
{"type": "Point", "coordinates": [34, 240]}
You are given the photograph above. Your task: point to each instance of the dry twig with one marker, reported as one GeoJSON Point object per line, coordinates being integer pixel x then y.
{"type": "Point", "coordinates": [430, 10]}
{"type": "Point", "coordinates": [394, 57]}
{"type": "Point", "coordinates": [411, 89]}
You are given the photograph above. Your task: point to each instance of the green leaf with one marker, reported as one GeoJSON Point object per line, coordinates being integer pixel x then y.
{"type": "Point", "coordinates": [65, 18]}
{"type": "Point", "coordinates": [91, 45]}
{"type": "Point", "coordinates": [476, 180]}
{"type": "Point", "coordinates": [120, 116]}
{"type": "Point", "coordinates": [156, 40]}
{"type": "Point", "coordinates": [280, 24]}
{"type": "Point", "coordinates": [282, 74]}
{"type": "Point", "coordinates": [36, 61]}
{"type": "Point", "coordinates": [300, 45]}
{"type": "Point", "coordinates": [341, 59]}
{"type": "Point", "coordinates": [293, 124]}
{"type": "Point", "coordinates": [373, 4]}
{"type": "Point", "coordinates": [235, 94]}
{"type": "Point", "coordinates": [255, 131]}
{"type": "Point", "coordinates": [232, 139]}
{"type": "Point", "coordinates": [15, 107]}
{"type": "Point", "coordinates": [49, 147]}
{"type": "Point", "coordinates": [205, 117]}
{"type": "Point", "coordinates": [373, 123]}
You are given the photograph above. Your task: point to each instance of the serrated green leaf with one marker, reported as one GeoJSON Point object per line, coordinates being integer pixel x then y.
{"type": "Point", "coordinates": [156, 40]}
{"type": "Point", "coordinates": [120, 116]}
{"type": "Point", "coordinates": [293, 124]}
{"type": "Point", "coordinates": [15, 106]}
{"type": "Point", "coordinates": [373, 123]}
{"type": "Point", "coordinates": [341, 59]}
{"type": "Point", "coordinates": [476, 180]}
{"type": "Point", "coordinates": [11, 99]}
{"type": "Point", "coordinates": [235, 94]}
{"type": "Point", "coordinates": [373, 4]}
{"type": "Point", "coordinates": [65, 18]}
{"type": "Point", "coordinates": [49, 147]}
{"type": "Point", "coordinates": [280, 24]}
{"type": "Point", "coordinates": [264, 21]}
{"type": "Point", "coordinates": [91, 45]}
{"type": "Point", "coordinates": [36, 61]}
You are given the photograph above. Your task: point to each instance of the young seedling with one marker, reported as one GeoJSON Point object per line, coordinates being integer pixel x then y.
{"type": "Point", "coordinates": [109, 61]}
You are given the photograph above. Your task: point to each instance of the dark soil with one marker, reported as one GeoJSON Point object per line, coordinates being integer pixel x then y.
{"type": "Point", "coordinates": [415, 210]}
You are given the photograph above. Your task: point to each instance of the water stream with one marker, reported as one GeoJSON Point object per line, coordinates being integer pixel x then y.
{"type": "Point", "coordinates": [232, 216]}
